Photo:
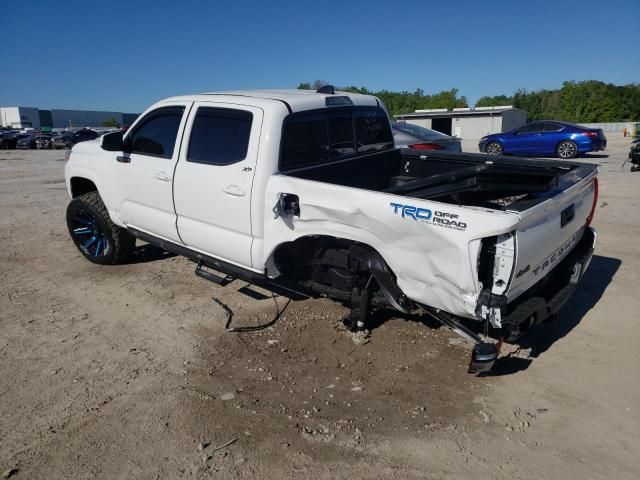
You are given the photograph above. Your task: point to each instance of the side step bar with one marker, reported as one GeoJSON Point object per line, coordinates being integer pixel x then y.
{"type": "Point", "coordinates": [231, 271]}
{"type": "Point", "coordinates": [203, 271]}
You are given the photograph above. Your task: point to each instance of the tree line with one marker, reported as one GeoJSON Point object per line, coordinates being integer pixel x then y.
{"type": "Point", "coordinates": [403, 102]}
{"type": "Point", "coordinates": [587, 101]}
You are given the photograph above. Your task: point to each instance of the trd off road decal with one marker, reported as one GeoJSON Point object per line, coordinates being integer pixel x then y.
{"type": "Point", "coordinates": [433, 217]}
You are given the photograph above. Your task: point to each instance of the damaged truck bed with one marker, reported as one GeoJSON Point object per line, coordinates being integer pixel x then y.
{"type": "Point", "coordinates": [304, 192]}
{"type": "Point", "coordinates": [512, 220]}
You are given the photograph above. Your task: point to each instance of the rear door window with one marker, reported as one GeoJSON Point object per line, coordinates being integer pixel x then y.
{"type": "Point", "coordinates": [219, 136]}
{"type": "Point", "coordinates": [552, 127]}
{"type": "Point", "coordinates": [531, 128]}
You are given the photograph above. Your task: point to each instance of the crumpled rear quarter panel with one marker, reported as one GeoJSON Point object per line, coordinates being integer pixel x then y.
{"type": "Point", "coordinates": [434, 264]}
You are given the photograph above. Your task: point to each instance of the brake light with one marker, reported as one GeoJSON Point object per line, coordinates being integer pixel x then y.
{"type": "Point", "coordinates": [591, 134]}
{"type": "Point", "coordinates": [595, 201]}
{"type": "Point", "coordinates": [426, 146]}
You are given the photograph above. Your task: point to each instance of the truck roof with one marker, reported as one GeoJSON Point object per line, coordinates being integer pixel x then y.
{"type": "Point", "coordinates": [295, 100]}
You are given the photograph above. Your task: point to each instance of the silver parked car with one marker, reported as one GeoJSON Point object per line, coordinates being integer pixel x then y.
{"type": "Point", "coordinates": [407, 135]}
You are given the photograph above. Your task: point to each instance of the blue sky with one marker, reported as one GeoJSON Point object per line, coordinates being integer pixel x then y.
{"type": "Point", "coordinates": [123, 56]}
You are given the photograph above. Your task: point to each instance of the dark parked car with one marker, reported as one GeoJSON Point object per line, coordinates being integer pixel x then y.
{"type": "Point", "coordinates": [43, 141]}
{"type": "Point", "coordinates": [407, 135]}
{"type": "Point", "coordinates": [27, 142]}
{"type": "Point", "coordinates": [9, 140]}
{"type": "Point", "coordinates": [545, 138]}
{"type": "Point", "coordinates": [69, 139]}
{"type": "Point", "coordinates": [634, 155]}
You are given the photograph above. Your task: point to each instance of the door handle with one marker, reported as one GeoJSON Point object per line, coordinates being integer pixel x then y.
{"type": "Point", "coordinates": [234, 190]}
{"type": "Point", "coordinates": [162, 176]}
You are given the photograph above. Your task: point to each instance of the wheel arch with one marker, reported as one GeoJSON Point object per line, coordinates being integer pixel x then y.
{"type": "Point", "coordinates": [378, 265]}
{"type": "Point", "coordinates": [80, 185]}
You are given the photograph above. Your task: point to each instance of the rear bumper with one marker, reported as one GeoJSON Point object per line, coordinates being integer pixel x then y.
{"type": "Point", "coordinates": [593, 145]}
{"type": "Point", "coordinates": [482, 147]}
{"type": "Point", "coordinates": [546, 297]}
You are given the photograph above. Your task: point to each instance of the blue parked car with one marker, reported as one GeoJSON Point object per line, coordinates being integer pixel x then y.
{"type": "Point", "coordinates": [545, 138]}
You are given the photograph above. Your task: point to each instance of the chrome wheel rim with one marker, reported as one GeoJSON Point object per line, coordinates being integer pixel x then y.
{"type": "Point", "coordinates": [493, 149]}
{"type": "Point", "coordinates": [566, 150]}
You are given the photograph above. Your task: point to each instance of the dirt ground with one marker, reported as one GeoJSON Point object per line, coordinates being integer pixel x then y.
{"type": "Point", "coordinates": [128, 372]}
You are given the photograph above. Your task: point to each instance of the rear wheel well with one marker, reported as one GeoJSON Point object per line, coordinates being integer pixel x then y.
{"type": "Point", "coordinates": [297, 258]}
{"type": "Point", "coordinates": [80, 186]}
{"type": "Point", "coordinates": [338, 268]}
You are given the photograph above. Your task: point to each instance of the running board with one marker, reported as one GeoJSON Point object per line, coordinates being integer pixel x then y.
{"type": "Point", "coordinates": [278, 286]}
{"type": "Point", "coordinates": [205, 272]}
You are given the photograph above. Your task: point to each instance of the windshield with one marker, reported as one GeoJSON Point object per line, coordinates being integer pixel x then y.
{"type": "Point", "coordinates": [417, 131]}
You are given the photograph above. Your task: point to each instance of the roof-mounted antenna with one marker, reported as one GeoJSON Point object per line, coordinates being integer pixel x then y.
{"type": "Point", "coordinates": [328, 89]}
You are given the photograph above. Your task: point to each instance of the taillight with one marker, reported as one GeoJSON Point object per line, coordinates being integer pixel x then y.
{"type": "Point", "coordinates": [591, 134]}
{"type": "Point", "coordinates": [595, 201]}
{"type": "Point", "coordinates": [426, 146]}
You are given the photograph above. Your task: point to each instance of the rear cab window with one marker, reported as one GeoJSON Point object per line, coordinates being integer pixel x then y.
{"type": "Point", "coordinates": [325, 135]}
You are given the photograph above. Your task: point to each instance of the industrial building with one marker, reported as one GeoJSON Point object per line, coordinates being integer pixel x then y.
{"type": "Point", "coordinates": [20, 117]}
{"type": "Point", "coordinates": [467, 123]}
{"type": "Point", "coordinates": [30, 117]}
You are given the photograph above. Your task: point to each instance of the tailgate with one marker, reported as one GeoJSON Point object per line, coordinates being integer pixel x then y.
{"type": "Point", "coordinates": [548, 231]}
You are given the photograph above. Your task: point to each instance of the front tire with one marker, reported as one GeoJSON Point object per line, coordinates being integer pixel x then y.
{"type": "Point", "coordinates": [567, 150]}
{"type": "Point", "coordinates": [95, 235]}
{"type": "Point", "coordinates": [494, 148]}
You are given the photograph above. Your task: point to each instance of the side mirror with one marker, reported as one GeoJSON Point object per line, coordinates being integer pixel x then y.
{"type": "Point", "coordinates": [515, 132]}
{"type": "Point", "coordinates": [112, 142]}
{"type": "Point", "coordinates": [127, 146]}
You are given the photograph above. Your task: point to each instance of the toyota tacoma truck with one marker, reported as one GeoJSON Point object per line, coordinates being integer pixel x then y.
{"type": "Point", "coordinates": [304, 193]}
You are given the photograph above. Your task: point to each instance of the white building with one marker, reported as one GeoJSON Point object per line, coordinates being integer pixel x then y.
{"type": "Point", "coordinates": [467, 123]}
{"type": "Point", "coordinates": [20, 117]}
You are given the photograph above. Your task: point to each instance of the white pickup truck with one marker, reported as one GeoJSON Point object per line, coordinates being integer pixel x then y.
{"type": "Point", "coordinates": [304, 192]}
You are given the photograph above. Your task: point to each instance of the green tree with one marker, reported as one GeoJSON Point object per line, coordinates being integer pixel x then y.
{"type": "Point", "coordinates": [494, 101]}
{"type": "Point", "coordinates": [110, 122]}
{"type": "Point", "coordinates": [587, 101]}
{"type": "Point", "coordinates": [403, 102]}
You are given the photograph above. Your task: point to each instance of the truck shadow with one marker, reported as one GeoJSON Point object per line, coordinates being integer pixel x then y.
{"type": "Point", "coordinates": [148, 253]}
{"type": "Point", "coordinates": [541, 337]}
